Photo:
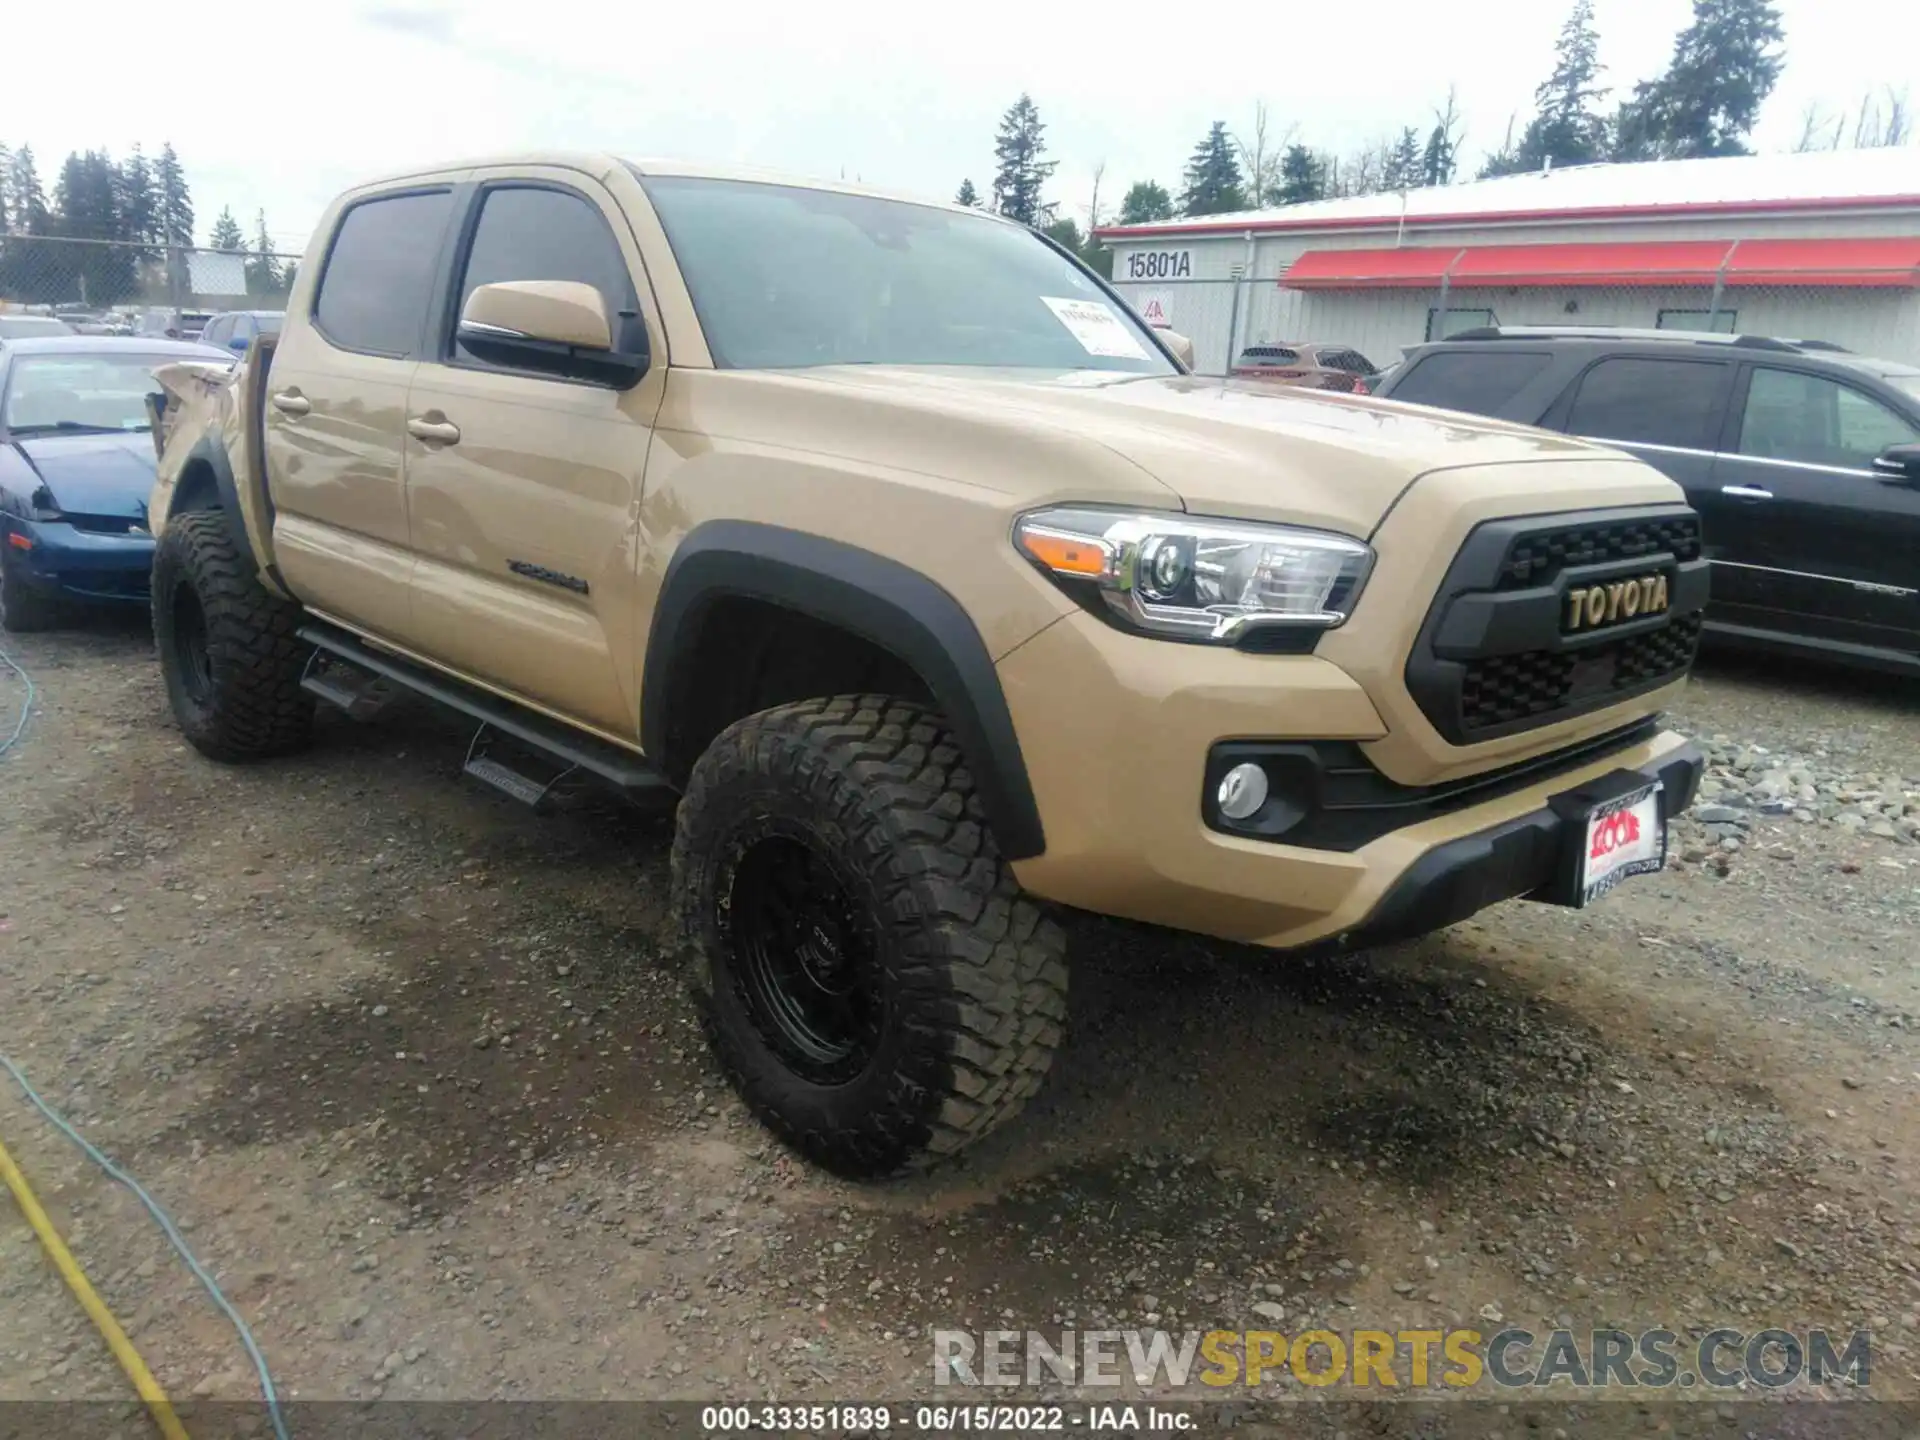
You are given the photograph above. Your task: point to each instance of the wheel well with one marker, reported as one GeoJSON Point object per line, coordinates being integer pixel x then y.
{"type": "Point", "coordinates": [754, 655]}
{"type": "Point", "coordinates": [197, 489]}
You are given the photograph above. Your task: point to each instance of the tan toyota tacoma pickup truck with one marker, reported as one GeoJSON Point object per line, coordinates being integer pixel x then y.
{"type": "Point", "coordinates": [889, 538]}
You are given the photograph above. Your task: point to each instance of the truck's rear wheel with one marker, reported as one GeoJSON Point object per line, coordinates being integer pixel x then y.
{"type": "Point", "coordinates": [228, 646]}
{"type": "Point", "coordinates": [869, 974]}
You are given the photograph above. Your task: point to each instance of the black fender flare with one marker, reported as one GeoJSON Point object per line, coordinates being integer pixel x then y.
{"type": "Point", "coordinates": [209, 452]}
{"type": "Point", "coordinates": [869, 595]}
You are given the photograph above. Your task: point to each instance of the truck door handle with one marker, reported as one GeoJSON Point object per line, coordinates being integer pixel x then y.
{"type": "Point", "coordinates": [1746, 492]}
{"type": "Point", "coordinates": [434, 432]}
{"type": "Point", "coordinates": [292, 402]}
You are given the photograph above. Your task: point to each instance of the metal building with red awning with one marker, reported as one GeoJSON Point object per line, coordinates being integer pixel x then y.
{"type": "Point", "coordinates": [1819, 246]}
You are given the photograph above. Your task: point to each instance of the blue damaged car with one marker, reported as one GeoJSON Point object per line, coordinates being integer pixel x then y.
{"type": "Point", "coordinates": [76, 465]}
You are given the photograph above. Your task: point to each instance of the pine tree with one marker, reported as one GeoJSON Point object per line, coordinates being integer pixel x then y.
{"type": "Point", "coordinates": [6, 186]}
{"type": "Point", "coordinates": [86, 202]}
{"type": "Point", "coordinates": [1567, 127]}
{"type": "Point", "coordinates": [1213, 177]}
{"type": "Point", "coordinates": [1144, 203]}
{"type": "Point", "coordinates": [263, 271]}
{"type": "Point", "coordinates": [1303, 177]}
{"type": "Point", "coordinates": [967, 195]}
{"type": "Point", "coordinates": [1724, 66]}
{"type": "Point", "coordinates": [176, 203]}
{"type": "Point", "coordinates": [28, 200]}
{"type": "Point", "coordinates": [29, 269]}
{"type": "Point", "coordinates": [1022, 173]}
{"type": "Point", "coordinates": [139, 203]}
{"type": "Point", "coordinates": [1401, 167]}
{"type": "Point", "coordinates": [226, 233]}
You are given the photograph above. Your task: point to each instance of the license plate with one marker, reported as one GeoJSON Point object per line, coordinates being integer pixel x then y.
{"type": "Point", "coordinates": [1624, 837]}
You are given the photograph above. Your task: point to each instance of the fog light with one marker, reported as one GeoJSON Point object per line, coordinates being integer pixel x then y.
{"type": "Point", "coordinates": [1243, 790]}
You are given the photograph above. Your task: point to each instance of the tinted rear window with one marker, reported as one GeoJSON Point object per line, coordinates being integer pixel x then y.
{"type": "Point", "coordinates": [1478, 382]}
{"type": "Point", "coordinates": [1653, 402]}
{"type": "Point", "coordinates": [373, 296]}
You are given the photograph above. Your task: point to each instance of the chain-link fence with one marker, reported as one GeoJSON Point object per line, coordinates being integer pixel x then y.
{"type": "Point", "coordinates": [1224, 317]}
{"type": "Point", "coordinates": [108, 287]}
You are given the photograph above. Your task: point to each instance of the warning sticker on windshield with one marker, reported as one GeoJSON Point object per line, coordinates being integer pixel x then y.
{"type": "Point", "coordinates": [1096, 327]}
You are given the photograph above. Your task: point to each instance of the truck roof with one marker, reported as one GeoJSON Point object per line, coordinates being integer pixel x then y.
{"type": "Point", "coordinates": [600, 163]}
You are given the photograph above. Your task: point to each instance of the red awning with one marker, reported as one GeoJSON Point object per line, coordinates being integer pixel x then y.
{"type": "Point", "coordinates": [1418, 266]}
{"type": "Point", "coordinates": [1888, 262]}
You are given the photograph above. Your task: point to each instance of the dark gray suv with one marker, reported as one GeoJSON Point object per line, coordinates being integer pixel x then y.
{"type": "Point", "coordinates": [1803, 461]}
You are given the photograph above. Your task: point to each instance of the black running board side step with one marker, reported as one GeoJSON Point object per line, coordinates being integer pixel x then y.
{"type": "Point", "coordinates": [361, 694]}
{"type": "Point", "coordinates": [563, 747]}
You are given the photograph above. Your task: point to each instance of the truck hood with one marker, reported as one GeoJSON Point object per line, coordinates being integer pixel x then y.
{"type": "Point", "coordinates": [106, 475]}
{"type": "Point", "coordinates": [1223, 447]}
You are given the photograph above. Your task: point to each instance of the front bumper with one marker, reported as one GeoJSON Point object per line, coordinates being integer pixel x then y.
{"type": "Point", "coordinates": [1518, 857]}
{"type": "Point", "coordinates": [83, 564]}
{"type": "Point", "coordinates": [1117, 732]}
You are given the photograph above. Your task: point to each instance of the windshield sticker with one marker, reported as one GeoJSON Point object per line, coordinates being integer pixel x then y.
{"type": "Point", "coordinates": [1096, 327]}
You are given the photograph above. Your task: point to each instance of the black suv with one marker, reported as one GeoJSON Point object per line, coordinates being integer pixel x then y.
{"type": "Point", "coordinates": [1803, 461]}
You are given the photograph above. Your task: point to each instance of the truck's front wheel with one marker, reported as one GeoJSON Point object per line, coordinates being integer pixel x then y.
{"type": "Point", "coordinates": [870, 976]}
{"type": "Point", "coordinates": [228, 646]}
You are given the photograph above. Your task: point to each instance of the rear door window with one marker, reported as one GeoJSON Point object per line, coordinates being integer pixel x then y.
{"type": "Point", "coordinates": [379, 276]}
{"type": "Point", "coordinates": [1677, 403]}
{"type": "Point", "coordinates": [1479, 382]}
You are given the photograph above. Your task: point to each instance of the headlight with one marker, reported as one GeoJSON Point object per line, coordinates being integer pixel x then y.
{"type": "Point", "coordinates": [1220, 581]}
{"type": "Point", "coordinates": [41, 506]}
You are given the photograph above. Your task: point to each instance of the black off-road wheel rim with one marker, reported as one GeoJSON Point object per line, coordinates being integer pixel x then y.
{"type": "Point", "coordinates": [193, 659]}
{"type": "Point", "coordinates": [805, 958]}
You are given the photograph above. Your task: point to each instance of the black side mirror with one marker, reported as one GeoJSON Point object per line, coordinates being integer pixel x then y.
{"type": "Point", "coordinates": [1899, 464]}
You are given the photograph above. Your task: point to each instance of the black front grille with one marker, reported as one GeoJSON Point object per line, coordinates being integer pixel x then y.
{"type": "Point", "coordinates": [1538, 559]}
{"type": "Point", "coordinates": [1493, 658]}
{"type": "Point", "coordinates": [1535, 684]}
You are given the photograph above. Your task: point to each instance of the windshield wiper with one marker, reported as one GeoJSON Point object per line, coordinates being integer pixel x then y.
{"type": "Point", "coordinates": [70, 427]}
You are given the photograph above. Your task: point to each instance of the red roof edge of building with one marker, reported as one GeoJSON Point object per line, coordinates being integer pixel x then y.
{"type": "Point", "coordinates": [1503, 217]}
{"type": "Point", "coordinates": [1888, 261]}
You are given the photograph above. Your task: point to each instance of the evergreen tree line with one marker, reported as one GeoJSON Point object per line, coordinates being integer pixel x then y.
{"type": "Point", "coordinates": [1705, 103]}
{"type": "Point", "coordinates": [131, 212]}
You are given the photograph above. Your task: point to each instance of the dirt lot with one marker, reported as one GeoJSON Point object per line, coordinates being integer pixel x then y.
{"type": "Point", "coordinates": [408, 1065]}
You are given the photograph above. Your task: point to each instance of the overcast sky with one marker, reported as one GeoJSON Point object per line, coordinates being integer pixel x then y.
{"type": "Point", "coordinates": [279, 106]}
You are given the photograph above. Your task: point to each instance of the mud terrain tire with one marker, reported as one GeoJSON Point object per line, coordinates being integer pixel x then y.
{"type": "Point", "coordinates": [228, 646]}
{"type": "Point", "coordinates": [897, 929]}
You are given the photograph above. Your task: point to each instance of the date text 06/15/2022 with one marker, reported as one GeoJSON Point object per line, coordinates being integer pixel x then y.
{"type": "Point", "coordinates": [1118, 1418]}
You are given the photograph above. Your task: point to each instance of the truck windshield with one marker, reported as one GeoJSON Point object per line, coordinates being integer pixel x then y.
{"type": "Point", "coordinates": [784, 276]}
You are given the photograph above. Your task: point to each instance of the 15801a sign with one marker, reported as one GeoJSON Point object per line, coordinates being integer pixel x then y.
{"type": "Point", "coordinates": [1160, 265]}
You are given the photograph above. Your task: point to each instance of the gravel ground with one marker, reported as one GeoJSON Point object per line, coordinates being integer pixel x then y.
{"type": "Point", "coordinates": [406, 1065]}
